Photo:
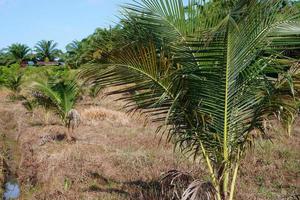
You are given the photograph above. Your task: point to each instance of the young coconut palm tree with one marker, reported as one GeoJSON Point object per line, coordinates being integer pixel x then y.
{"type": "Point", "coordinates": [60, 97]}
{"type": "Point", "coordinates": [212, 72]}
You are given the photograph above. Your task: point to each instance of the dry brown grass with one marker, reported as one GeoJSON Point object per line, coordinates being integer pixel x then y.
{"type": "Point", "coordinates": [272, 169]}
{"type": "Point", "coordinates": [117, 157]}
{"type": "Point", "coordinates": [95, 115]}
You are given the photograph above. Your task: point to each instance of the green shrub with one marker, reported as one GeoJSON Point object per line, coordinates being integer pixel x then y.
{"type": "Point", "coordinates": [12, 78]}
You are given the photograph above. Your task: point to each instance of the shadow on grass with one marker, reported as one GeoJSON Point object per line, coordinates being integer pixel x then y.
{"type": "Point", "coordinates": [138, 189]}
{"type": "Point", "coordinates": [43, 124]}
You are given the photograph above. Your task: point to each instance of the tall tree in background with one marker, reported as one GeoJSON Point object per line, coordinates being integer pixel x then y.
{"type": "Point", "coordinates": [213, 72]}
{"type": "Point", "coordinates": [47, 50]}
{"type": "Point", "coordinates": [74, 53]}
{"type": "Point", "coordinates": [16, 53]}
{"type": "Point", "coordinates": [93, 49]}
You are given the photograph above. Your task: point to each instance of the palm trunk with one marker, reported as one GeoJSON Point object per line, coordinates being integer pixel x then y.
{"type": "Point", "coordinates": [68, 134]}
{"type": "Point", "coordinates": [233, 182]}
{"type": "Point", "coordinates": [224, 176]}
{"type": "Point", "coordinates": [67, 125]}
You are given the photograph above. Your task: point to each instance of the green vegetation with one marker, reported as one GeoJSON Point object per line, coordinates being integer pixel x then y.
{"type": "Point", "coordinates": [46, 50]}
{"type": "Point", "coordinates": [20, 53]}
{"type": "Point", "coordinates": [12, 78]}
{"type": "Point", "coordinates": [215, 71]}
{"type": "Point", "coordinates": [59, 94]}
{"type": "Point", "coordinates": [94, 48]}
{"type": "Point", "coordinates": [211, 73]}
{"type": "Point", "coordinates": [17, 53]}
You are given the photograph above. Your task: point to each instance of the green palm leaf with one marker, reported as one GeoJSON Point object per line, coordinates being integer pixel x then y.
{"type": "Point", "coordinates": [59, 96]}
{"type": "Point", "coordinates": [220, 75]}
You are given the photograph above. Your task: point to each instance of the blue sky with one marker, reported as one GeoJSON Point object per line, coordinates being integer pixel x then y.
{"type": "Point", "coordinates": [28, 21]}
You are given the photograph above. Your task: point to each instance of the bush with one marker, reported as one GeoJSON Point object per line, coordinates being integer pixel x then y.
{"type": "Point", "coordinates": [11, 78]}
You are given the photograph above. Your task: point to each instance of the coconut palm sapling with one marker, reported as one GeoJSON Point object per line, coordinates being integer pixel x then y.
{"type": "Point", "coordinates": [59, 96]}
{"type": "Point", "coordinates": [212, 73]}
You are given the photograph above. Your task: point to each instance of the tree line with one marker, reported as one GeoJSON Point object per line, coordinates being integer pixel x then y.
{"type": "Point", "coordinates": [93, 49]}
{"type": "Point", "coordinates": [19, 53]}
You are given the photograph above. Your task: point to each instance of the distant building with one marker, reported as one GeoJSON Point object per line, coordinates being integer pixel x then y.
{"type": "Point", "coordinates": [41, 63]}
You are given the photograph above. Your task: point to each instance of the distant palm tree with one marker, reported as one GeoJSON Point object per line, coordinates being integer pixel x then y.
{"type": "Point", "coordinates": [73, 47]}
{"type": "Point", "coordinates": [96, 47]}
{"type": "Point", "coordinates": [212, 73]}
{"type": "Point", "coordinates": [74, 53]}
{"type": "Point", "coordinates": [47, 50]}
{"type": "Point", "coordinates": [17, 53]}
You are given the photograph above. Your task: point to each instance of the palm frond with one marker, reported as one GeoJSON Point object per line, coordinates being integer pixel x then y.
{"type": "Point", "coordinates": [222, 74]}
{"type": "Point", "coordinates": [148, 77]}
{"type": "Point", "coordinates": [198, 190]}
{"type": "Point", "coordinates": [59, 97]}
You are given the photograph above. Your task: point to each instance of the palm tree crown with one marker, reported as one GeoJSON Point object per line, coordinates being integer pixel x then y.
{"type": "Point", "coordinates": [47, 50]}
{"type": "Point", "coordinates": [17, 53]}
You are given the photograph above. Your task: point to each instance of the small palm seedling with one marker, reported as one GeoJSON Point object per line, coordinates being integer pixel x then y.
{"type": "Point", "coordinates": [59, 96]}
{"type": "Point", "coordinates": [29, 104]}
{"type": "Point", "coordinates": [12, 79]}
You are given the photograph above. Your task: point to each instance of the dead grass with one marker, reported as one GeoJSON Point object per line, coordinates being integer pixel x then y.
{"type": "Point", "coordinates": [95, 115]}
{"type": "Point", "coordinates": [118, 157]}
{"type": "Point", "coordinates": [272, 169]}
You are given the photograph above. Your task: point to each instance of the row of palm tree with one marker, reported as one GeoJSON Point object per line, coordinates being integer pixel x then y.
{"type": "Point", "coordinates": [18, 53]}
{"type": "Point", "coordinates": [97, 47]}
{"type": "Point", "coordinates": [212, 72]}
{"type": "Point", "coordinates": [94, 48]}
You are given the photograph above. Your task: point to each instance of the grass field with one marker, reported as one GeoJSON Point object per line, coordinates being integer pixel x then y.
{"type": "Point", "coordinates": [118, 156]}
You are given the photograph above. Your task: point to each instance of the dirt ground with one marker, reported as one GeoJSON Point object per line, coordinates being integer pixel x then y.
{"type": "Point", "coordinates": [118, 156]}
